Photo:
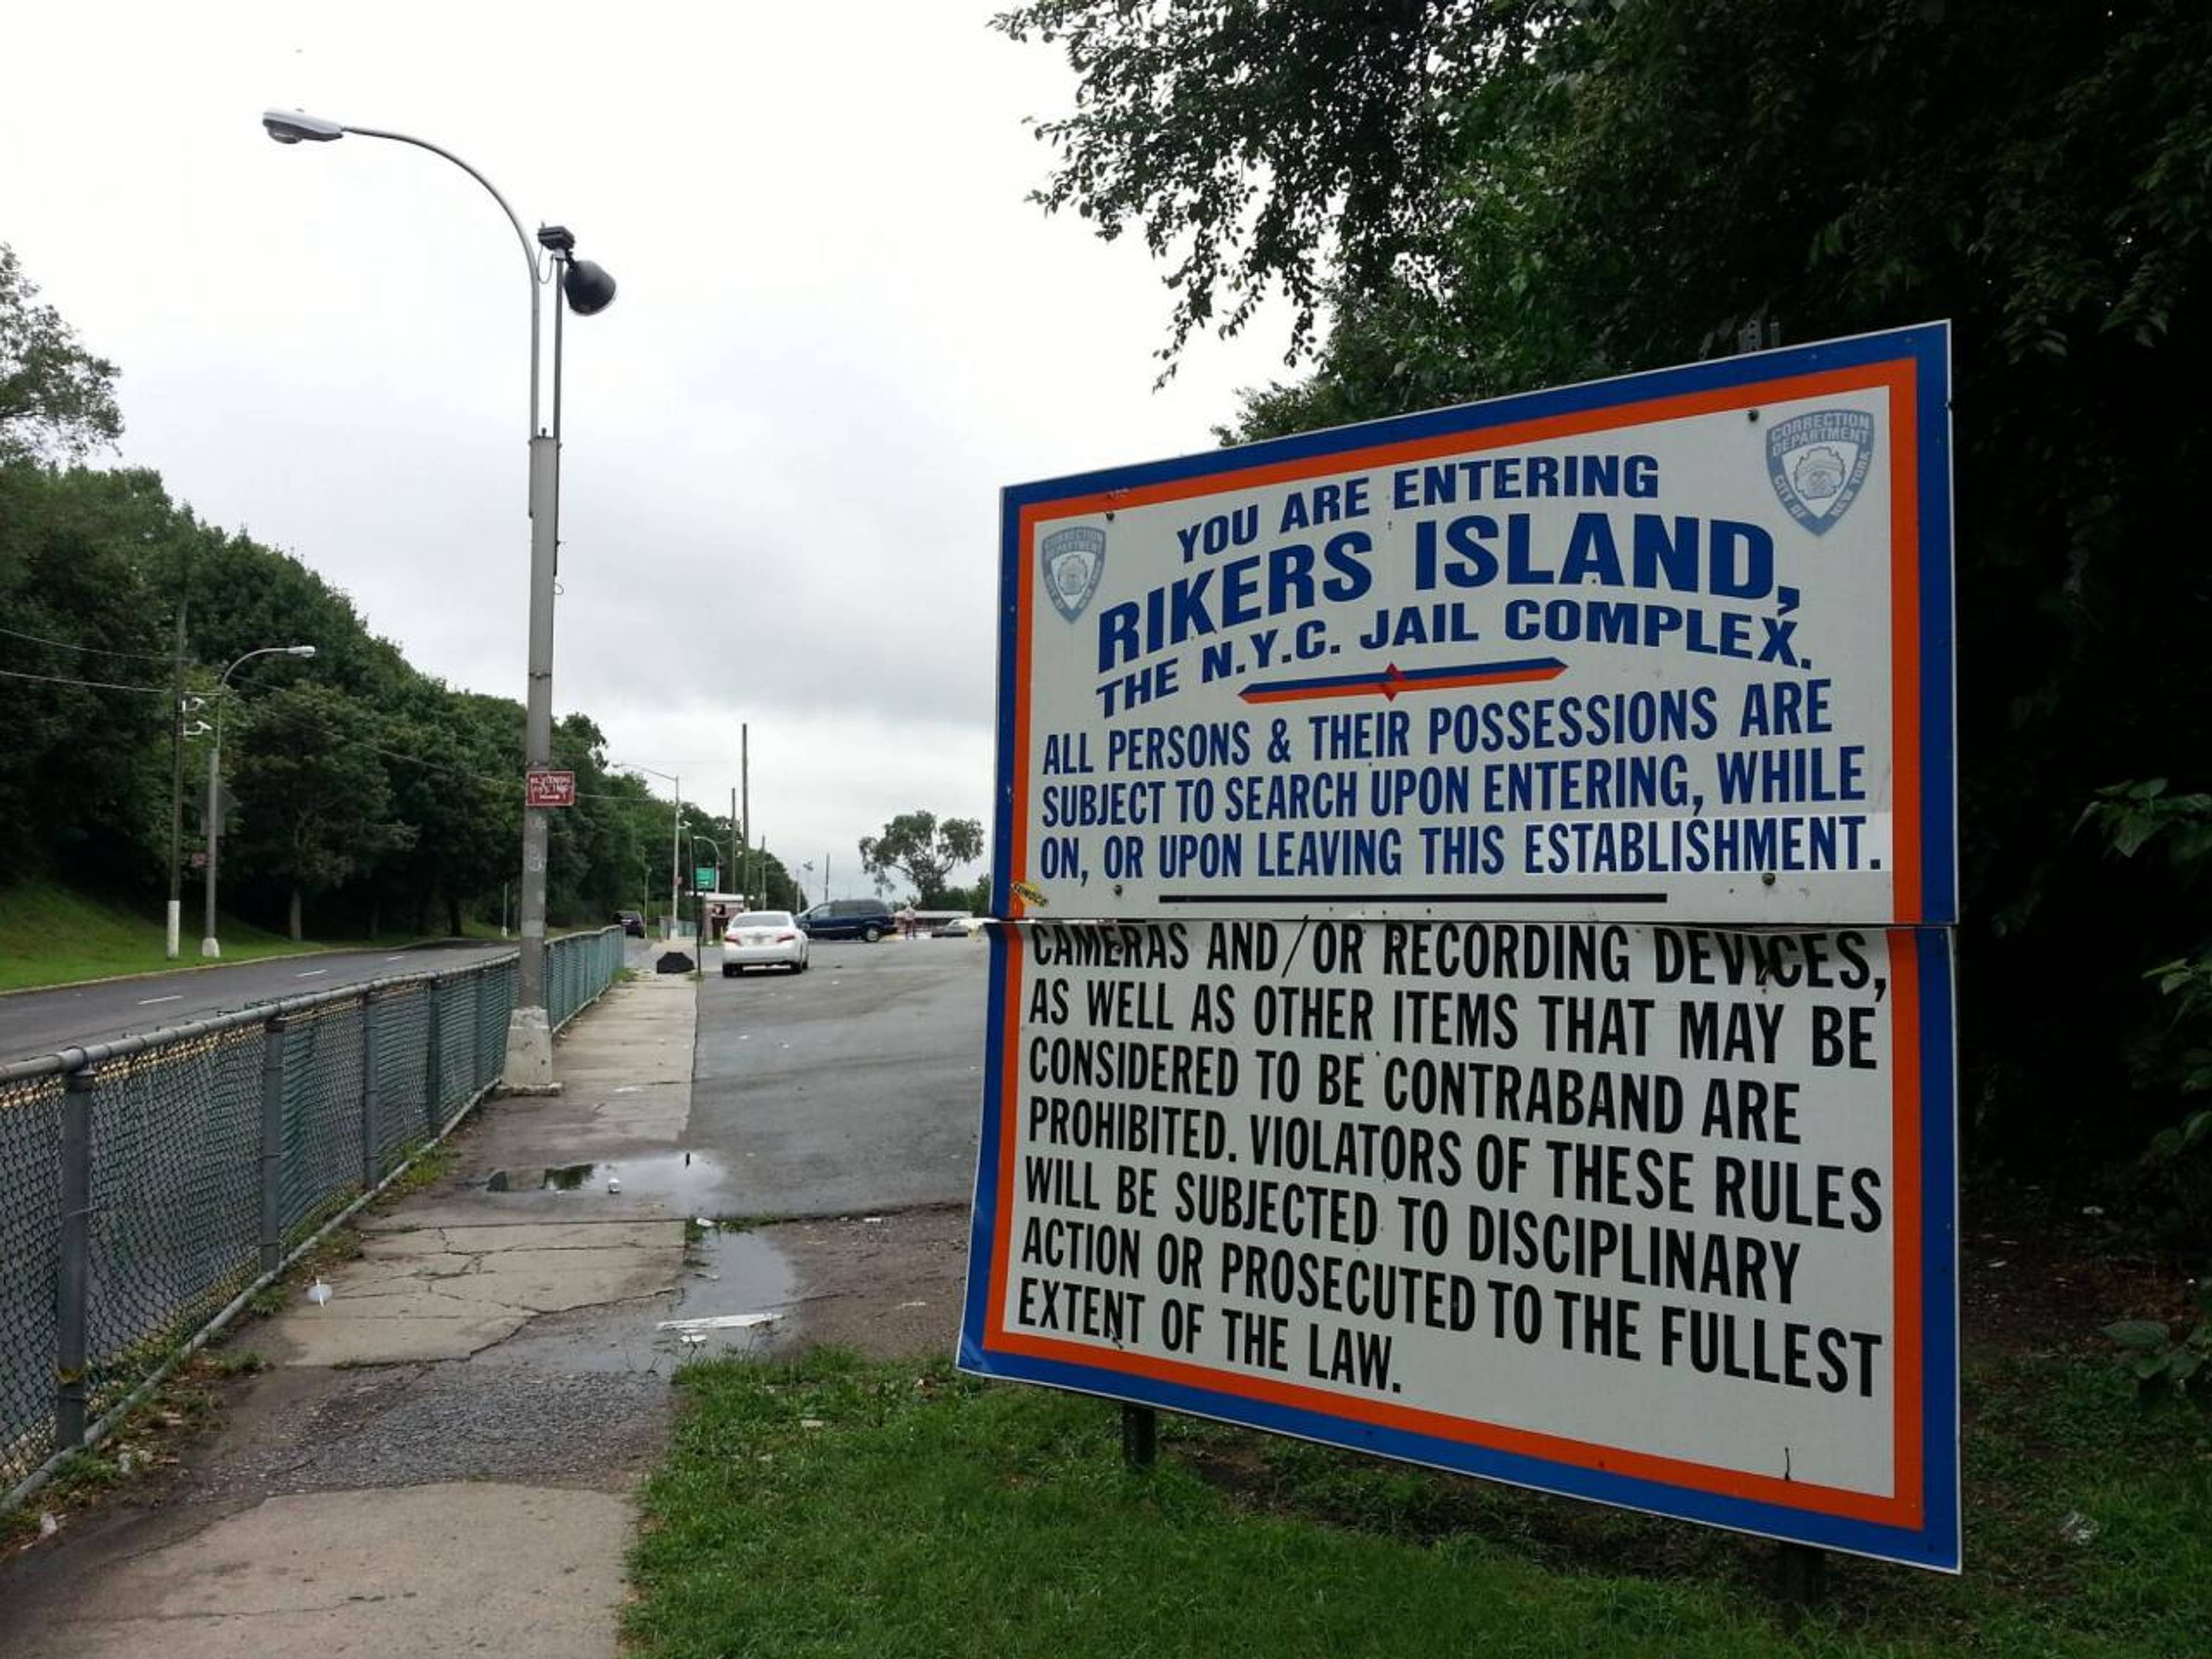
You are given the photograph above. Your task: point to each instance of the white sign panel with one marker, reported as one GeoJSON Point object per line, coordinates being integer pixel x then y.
{"type": "Point", "coordinates": [1674, 647]}
{"type": "Point", "coordinates": [1479, 987]}
{"type": "Point", "coordinates": [1660, 1216]}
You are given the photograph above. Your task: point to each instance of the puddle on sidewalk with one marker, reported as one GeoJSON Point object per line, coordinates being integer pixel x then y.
{"type": "Point", "coordinates": [688, 1180]}
{"type": "Point", "coordinates": [736, 1294]}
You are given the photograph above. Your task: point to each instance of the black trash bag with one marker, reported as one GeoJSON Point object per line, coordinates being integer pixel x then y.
{"type": "Point", "coordinates": [672, 962]}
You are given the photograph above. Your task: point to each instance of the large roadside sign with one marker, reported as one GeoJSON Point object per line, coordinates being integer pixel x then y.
{"type": "Point", "coordinates": [1620, 1164]}
{"type": "Point", "coordinates": [1675, 646]}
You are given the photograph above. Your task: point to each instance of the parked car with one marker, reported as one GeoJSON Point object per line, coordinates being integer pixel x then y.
{"type": "Point", "coordinates": [764, 938]}
{"type": "Point", "coordinates": [864, 919]}
{"type": "Point", "coordinates": [956, 927]}
{"type": "Point", "coordinates": [631, 923]}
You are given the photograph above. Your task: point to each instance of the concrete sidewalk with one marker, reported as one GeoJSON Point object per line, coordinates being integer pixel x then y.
{"type": "Point", "coordinates": [440, 1461]}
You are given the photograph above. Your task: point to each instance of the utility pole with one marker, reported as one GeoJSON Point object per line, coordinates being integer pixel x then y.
{"type": "Point", "coordinates": [177, 765]}
{"type": "Point", "coordinates": [745, 790]}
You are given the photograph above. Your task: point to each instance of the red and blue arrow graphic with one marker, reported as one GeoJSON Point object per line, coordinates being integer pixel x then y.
{"type": "Point", "coordinates": [1394, 681]}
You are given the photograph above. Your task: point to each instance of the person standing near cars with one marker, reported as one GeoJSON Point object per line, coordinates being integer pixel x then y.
{"type": "Point", "coordinates": [717, 919]}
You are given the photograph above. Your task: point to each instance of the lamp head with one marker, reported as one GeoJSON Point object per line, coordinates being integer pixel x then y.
{"type": "Point", "coordinates": [587, 285]}
{"type": "Point", "coordinates": [299, 650]}
{"type": "Point", "coordinates": [295, 126]}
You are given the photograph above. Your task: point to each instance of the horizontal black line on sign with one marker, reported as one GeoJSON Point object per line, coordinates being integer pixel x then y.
{"type": "Point", "coordinates": [1411, 899]}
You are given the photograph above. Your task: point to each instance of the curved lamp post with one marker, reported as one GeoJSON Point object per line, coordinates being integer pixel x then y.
{"type": "Point", "coordinates": [698, 904]}
{"type": "Point", "coordinates": [696, 838]}
{"type": "Point", "coordinates": [209, 945]}
{"type": "Point", "coordinates": [588, 289]}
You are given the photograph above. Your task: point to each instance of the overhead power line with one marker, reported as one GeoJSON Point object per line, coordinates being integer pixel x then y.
{"type": "Point", "coordinates": [495, 781]}
{"type": "Point", "coordinates": [59, 679]}
{"type": "Point", "coordinates": [96, 650]}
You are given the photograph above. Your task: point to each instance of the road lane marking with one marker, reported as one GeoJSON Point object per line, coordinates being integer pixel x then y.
{"type": "Point", "coordinates": [150, 1001]}
{"type": "Point", "coordinates": [311, 973]}
{"type": "Point", "coordinates": [393, 958]}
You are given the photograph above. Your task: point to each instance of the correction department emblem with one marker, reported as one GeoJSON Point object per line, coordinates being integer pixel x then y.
{"type": "Point", "coordinates": [1075, 560]}
{"type": "Point", "coordinates": [1817, 462]}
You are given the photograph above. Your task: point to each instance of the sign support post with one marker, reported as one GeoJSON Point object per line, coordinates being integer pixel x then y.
{"type": "Point", "coordinates": [1140, 1427]}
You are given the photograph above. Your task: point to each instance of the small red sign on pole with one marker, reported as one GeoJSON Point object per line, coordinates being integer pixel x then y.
{"type": "Point", "coordinates": [543, 788]}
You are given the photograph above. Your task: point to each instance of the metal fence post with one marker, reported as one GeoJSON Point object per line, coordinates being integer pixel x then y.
{"type": "Point", "coordinates": [272, 1143]}
{"type": "Point", "coordinates": [372, 1129]}
{"type": "Point", "coordinates": [476, 1029]}
{"type": "Point", "coordinates": [73, 1276]}
{"type": "Point", "coordinates": [434, 1081]}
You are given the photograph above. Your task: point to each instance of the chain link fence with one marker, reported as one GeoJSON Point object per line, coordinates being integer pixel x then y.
{"type": "Point", "coordinates": [147, 1186]}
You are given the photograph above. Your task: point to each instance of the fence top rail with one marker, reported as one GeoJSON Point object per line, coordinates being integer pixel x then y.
{"type": "Point", "coordinates": [138, 1042]}
{"type": "Point", "coordinates": [98, 1054]}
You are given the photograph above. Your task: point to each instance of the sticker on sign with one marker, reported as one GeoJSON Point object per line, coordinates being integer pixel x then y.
{"type": "Point", "coordinates": [1671, 647]}
{"type": "Point", "coordinates": [1662, 1217]}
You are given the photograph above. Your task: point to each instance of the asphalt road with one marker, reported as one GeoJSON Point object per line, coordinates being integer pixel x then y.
{"type": "Point", "coordinates": [855, 1087]}
{"type": "Point", "coordinates": [37, 1022]}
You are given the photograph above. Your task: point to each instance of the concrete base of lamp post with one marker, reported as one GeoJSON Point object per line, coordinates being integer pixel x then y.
{"type": "Point", "coordinates": [210, 946]}
{"type": "Point", "coordinates": [175, 928]}
{"type": "Point", "coordinates": [529, 1067]}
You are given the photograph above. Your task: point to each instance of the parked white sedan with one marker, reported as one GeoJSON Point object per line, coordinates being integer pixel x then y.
{"type": "Point", "coordinates": [764, 938]}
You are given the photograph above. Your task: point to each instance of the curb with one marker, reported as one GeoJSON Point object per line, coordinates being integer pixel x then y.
{"type": "Point", "coordinates": [202, 967]}
{"type": "Point", "coordinates": [287, 956]}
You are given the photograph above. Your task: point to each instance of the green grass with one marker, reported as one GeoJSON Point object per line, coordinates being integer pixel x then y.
{"type": "Point", "coordinates": [929, 1514]}
{"type": "Point", "coordinates": [55, 935]}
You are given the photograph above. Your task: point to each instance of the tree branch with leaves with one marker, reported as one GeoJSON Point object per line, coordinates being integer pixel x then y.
{"type": "Point", "coordinates": [57, 399]}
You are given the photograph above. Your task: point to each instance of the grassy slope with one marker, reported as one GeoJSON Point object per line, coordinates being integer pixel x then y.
{"type": "Point", "coordinates": [929, 1514]}
{"type": "Point", "coordinates": [53, 935]}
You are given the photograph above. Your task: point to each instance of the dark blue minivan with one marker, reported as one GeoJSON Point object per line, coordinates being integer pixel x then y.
{"type": "Point", "coordinates": [863, 919]}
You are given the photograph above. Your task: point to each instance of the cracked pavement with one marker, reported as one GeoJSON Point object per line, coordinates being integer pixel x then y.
{"type": "Point", "coordinates": [447, 1292]}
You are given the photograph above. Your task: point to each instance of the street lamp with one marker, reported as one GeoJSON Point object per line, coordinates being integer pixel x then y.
{"type": "Point", "coordinates": [675, 839]}
{"type": "Point", "coordinates": [696, 838]}
{"type": "Point", "coordinates": [698, 903]}
{"type": "Point", "coordinates": [209, 946]}
{"type": "Point", "coordinates": [588, 290]}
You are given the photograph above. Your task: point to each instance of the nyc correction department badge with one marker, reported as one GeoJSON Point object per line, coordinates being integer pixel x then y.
{"type": "Point", "coordinates": [1075, 560]}
{"type": "Point", "coordinates": [1817, 462]}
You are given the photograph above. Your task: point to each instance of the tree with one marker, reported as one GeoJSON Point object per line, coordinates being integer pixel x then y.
{"type": "Point", "coordinates": [1584, 189]}
{"type": "Point", "coordinates": [916, 846]}
{"type": "Point", "coordinates": [1247, 140]}
{"type": "Point", "coordinates": [84, 734]}
{"type": "Point", "coordinates": [453, 761]}
{"type": "Point", "coordinates": [57, 399]}
{"type": "Point", "coordinates": [313, 801]}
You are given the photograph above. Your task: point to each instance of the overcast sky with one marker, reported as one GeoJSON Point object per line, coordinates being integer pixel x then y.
{"type": "Point", "coordinates": [841, 329]}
